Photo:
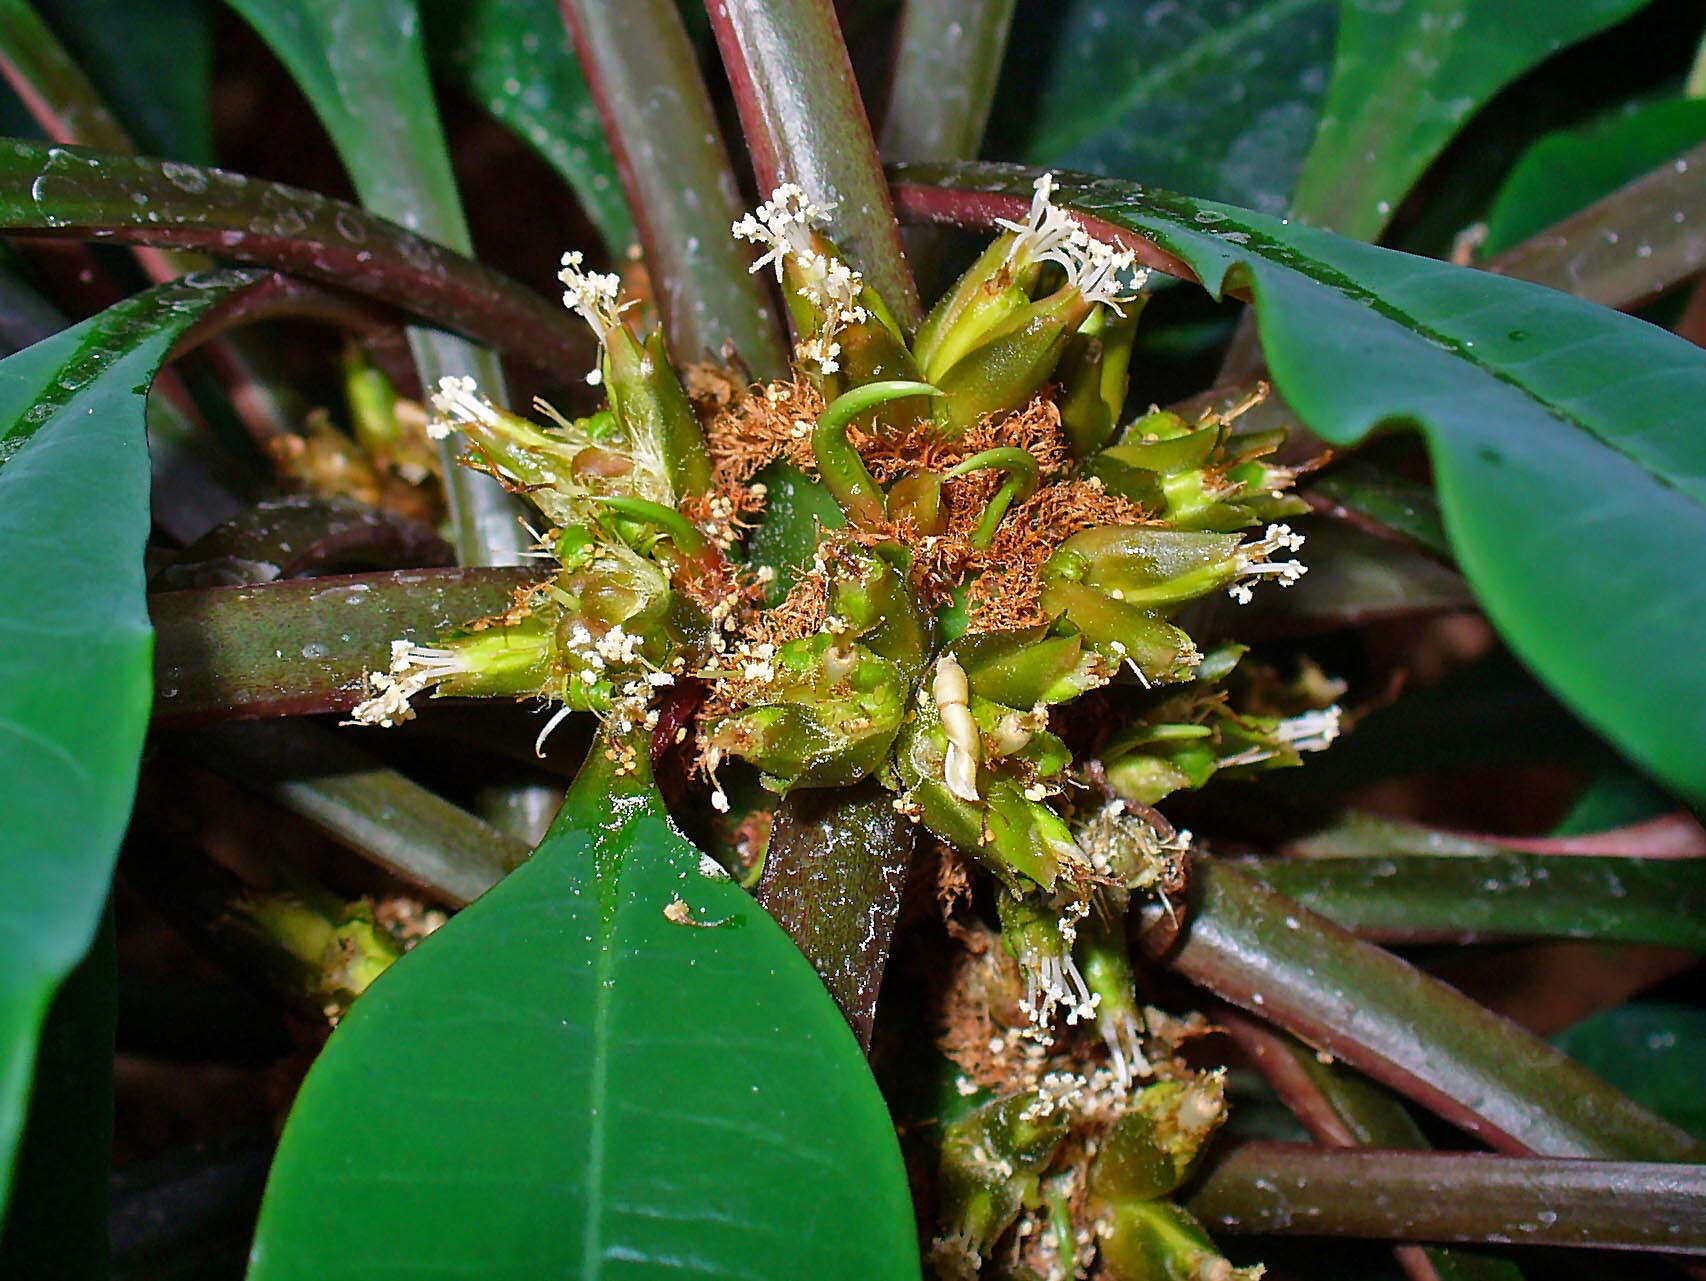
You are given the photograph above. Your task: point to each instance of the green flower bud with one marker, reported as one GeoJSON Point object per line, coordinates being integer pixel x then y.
{"type": "Point", "coordinates": [372, 404]}
{"type": "Point", "coordinates": [1198, 478]}
{"type": "Point", "coordinates": [875, 600]}
{"type": "Point", "coordinates": [918, 497]}
{"type": "Point", "coordinates": [989, 293]}
{"type": "Point", "coordinates": [336, 947]}
{"type": "Point", "coordinates": [1158, 1241]}
{"type": "Point", "coordinates": [1162, 569]}
{"type": "Point", "coordinates": [832, 710]}
{"type": "Point", "coordinates": [1039, 931]}
{"type": "Point", "coordinates": [1156, 650]}
{"type": "Point", "coordinates": [652, 408]}
{"type": "Point", "coordinates": [1104, 958]}
{"type": "Point", "coordinates": [1186, 739]}
{"type": "Point", "coordinates": [1029, 667]}
{"type": "Point", "coordinates": [1094, 375]}
{"type": "Point", "coordinates": [1011, 362]}
{"type": "Point", "coordinates": [990, 1164]}
{"type": "Point", "coordinates": [1019, 839]}
{"type": "Point", "coordinates": [1155, 1142]}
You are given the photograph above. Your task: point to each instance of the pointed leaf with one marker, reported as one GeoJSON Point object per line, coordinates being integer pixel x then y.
{"type": "Point", "coordinates": [1562, 435]}
{"type": "Point", "coordinates": [1654, 1050]}
{"type": "Point", "coordinates": [74, 640]}
{"type": "Point", "coordinates": [1218, 97]}
{"type": "Point", "coordinates": [564, 1081]}
{"type": "Point", "coordinates": [1567, 171]}
{"type": "Point", "coordinates": [153, 63]}
{"type": "Point", "coordinates": [515, 58]}
{"type": "Point", "coordinates": [1407, 75]}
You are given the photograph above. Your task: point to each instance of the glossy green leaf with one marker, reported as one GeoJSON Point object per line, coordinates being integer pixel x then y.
{"type": "Point", "coordinates": [1218, 98]}
{"type": "Point", "coordinates": [1614, 797]}
{"type": "Point", "coordinates": [564, 1082]}
{"type": "Point", "coordinates": [153, 62]}
{"type": "Point", "coordinates": [1404, 506]}
{"type": "Point", "coordinates": [1655, 1051]}
{"type": "Point", "coordinates": [515, 58]}
{"type": "Point", "coordinates": [57, 1220]}
{"type": "Point", "coordinates": [1407, 75]}
{"type": "Point", "coordinates": [1569, 170]}
{"type": "Point", "coordinates": [75, 643]}
{"type": "Point", "coordinates": [785, 537]}
{"type": "Point", "coordinates": [363, 68]}
{"type": "Point", "coordinates": [1562, 436]}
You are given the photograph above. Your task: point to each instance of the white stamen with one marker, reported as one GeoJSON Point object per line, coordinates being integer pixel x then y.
{"type": "Point", "coordinates": [413, 668]}
{"type": "Point", "coordinates": [783, 225]}
{"type": "Point", "coordinates": [1252, 561]}
{"type": "Point", "coordinates": [1311, 731]}
{"type": "Point", "coordinates": [458, 403]}
{"type": "Point", "coordinates": [1101, 273]}
{"type": "Point", "coordinates": [592, 294]}
{"type": "Point", "coordinates": [557, 718]}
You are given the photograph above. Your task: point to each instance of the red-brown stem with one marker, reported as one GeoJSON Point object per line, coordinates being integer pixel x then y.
{"type": "Point", "coordinates": [1269, 1054]}
{"type": "Point", "coordinates": [663, 132]}
{"type": "Point", "coordinates": [805, 123]}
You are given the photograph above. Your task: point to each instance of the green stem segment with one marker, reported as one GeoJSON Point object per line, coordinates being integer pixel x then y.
{"type": "Point", "coordinates": [1022, 479]}
{"type": "Point", "coordinates": [843, 470]}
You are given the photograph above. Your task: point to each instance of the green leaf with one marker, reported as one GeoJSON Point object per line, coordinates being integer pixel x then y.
{"type": "Point", "coordinates": [75, 643]}
{"type": "Point", "coordinates": [1655, 1051]}
{"type": "Point", "coordinates": [1402, 505]}
{"type": "Point", "coordinates": [363, 68]}
{"type": "Point", "coordinates": [515, 58]}
{"type": "Point", "coordinates": [1218, 97]}
{"type": "Point", "coordinates": [1407, 75]}
{"type": "Point", "coordinates": [565, 1082]}
{"type": "Point", "coordinates": [58, 1221]}
{"type": "Point", "coordinates": [152, 62]}
{"type": "Point", "coordinates": [1562, 436]}
{"type": "Point", "coordinates": [1567, 171]}
{"type": "Point", "coordinates": [1614, 797]}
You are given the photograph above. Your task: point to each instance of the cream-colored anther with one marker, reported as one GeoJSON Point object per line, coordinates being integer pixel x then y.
{"type": "Point", "coordinates": [1012, 733]}
{"type": "Point", "coordinates": [959, 769]}
{"type": "Point", "coordinates": [838, 661]}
